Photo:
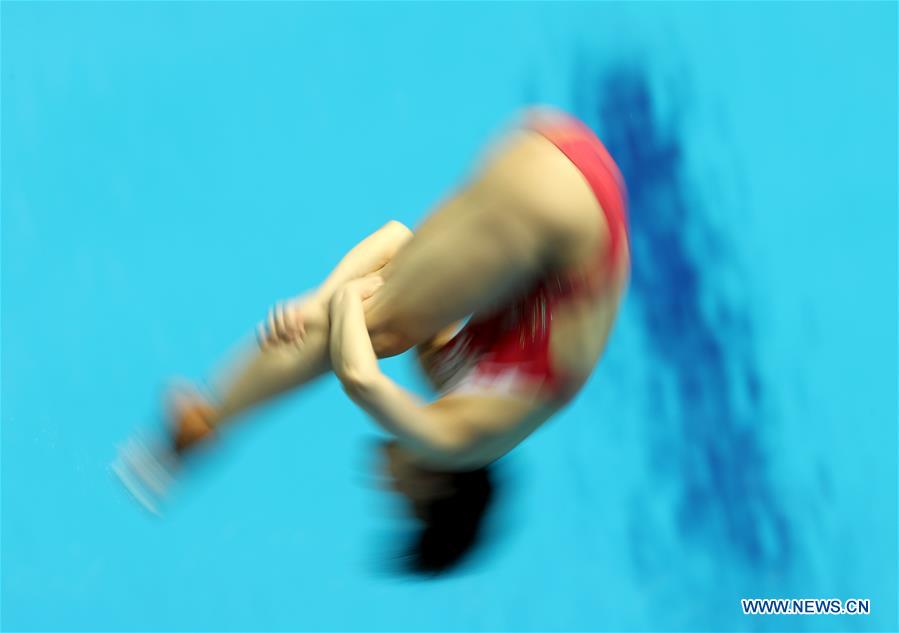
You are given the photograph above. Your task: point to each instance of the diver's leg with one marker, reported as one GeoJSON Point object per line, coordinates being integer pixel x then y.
{"type": "Point", "coordinates": [526, 212]}
{"type": "Point", "coordinates": [147, 469]}
{"type": "Point", "coordinates": [521, 214]}
{"type": "Point", "coordinates": [258, 375]}
{"type": "Point", "coordinates": [527, 209]}
{"type": "Point", "coordinates": [287, 354]}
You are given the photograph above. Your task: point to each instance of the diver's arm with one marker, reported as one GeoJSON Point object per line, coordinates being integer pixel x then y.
{"type": "Point", "coordinates": [438, 439]}
{"type": "Point", "coordinates": [287, 320]}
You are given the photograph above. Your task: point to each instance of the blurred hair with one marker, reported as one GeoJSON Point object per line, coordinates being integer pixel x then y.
{"type": "Point", "coordinates": [450, 526]}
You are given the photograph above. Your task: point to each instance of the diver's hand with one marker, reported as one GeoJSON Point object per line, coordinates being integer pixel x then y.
{"type": "Point", "coordinates": [288, 321]}
{"type": "Point", "coordinates": [353, 358]}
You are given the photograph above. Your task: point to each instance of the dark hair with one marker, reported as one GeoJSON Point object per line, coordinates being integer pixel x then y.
{"type": "Point", "coordinates": [450, 526]}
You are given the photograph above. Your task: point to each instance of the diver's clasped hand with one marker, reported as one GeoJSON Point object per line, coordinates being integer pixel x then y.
{"type": "Point", "coordinates": [288, 321]}
{"type": "Point", "coordinates": [361, 289]}
{"type": "Point", "coordinates": [353, 358]}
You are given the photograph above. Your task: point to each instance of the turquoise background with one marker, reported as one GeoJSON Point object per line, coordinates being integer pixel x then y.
{"type": "Point", "coordinates": [169, 170]}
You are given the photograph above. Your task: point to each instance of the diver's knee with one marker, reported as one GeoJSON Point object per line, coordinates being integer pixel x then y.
{"type": "Point", "coordinates": [392, 331]}
{"type": "Point", "coordinates": [389, 342]}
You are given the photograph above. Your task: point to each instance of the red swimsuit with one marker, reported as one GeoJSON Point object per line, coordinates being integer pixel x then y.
{"type": "Point", "coordinates": [508, 351]}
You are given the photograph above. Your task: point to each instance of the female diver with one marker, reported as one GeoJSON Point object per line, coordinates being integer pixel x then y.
{"type": "Point", "coordinates": [532, 250]}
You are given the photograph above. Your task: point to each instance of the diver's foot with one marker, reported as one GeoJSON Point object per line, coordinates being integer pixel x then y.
{"type": "Point", "coordinates": [147, 464]}
{"type": "Point", "coordinates": [147, 469]}
{"type": "Point", "coordinates": [191, 419]}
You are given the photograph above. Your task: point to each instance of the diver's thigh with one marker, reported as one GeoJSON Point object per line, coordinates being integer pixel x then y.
{"type": "Point", "coordinates": [468, 258]}
{"type": "Point", "coordinates": [484, 244]}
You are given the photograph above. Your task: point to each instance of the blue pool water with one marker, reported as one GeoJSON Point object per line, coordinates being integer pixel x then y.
{"type": "Point", "coordinates": [169, 170]}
